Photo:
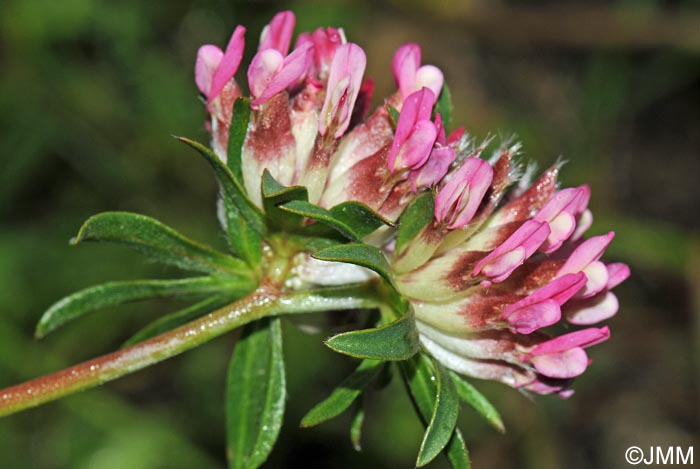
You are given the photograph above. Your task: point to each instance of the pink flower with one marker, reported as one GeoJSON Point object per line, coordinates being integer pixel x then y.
{"type": "Point", "coordinates": [270, 72]}
{"type": "Point", "coordinates": [410, 76]}
{"type": "Point", "coordinates": [457, 201]}
{"type": "Point", "coordinates": [215, 68]}
{"type": "Point", "coordinates": [344, 84]}
{"type": "Point", "coordinates": [415, 133]}
{"type": "Point", "coordinates": [325, 41]}
{"type": "Point", "coordinates": [278, 33]}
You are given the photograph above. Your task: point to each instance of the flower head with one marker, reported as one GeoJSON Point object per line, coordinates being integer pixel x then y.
{"type": "Point", "coordinates": [498, 262]}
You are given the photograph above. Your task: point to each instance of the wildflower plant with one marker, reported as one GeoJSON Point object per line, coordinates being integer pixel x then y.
{"type": "Point", "coordinates": [469, 264]}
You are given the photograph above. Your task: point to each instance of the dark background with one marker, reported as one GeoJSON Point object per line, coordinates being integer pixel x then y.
{"type": "Point", "coordinates": [90, 91]}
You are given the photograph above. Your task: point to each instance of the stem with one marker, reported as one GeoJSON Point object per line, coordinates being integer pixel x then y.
{"type": "Point", "coordinates": [265, 301]}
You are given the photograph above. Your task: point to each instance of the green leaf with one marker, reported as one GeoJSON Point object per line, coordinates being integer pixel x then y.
{"type": "Point", "coordinates": [255, 394]}
{"type": "Point", "coordinates": [274, 194]}
{"type": "Point", "coordinates": [236, 136]}
{"type": "Point", "coordinates": [443, 420]}
{"type": "Point", "coordinates": [393, 114]}
{"type": "Point", "coordinates": [344, 395]}
{"type": "Point", "coordinates": [245, 223]}
{"type": "Point", "coordinates": [478, 401]}
{"type": "Point", "coordinates": [158, 242]}
{"type": "Point", "coordinates": [395, 341]}
{"type": "Point", "coordinates": [323, 216]}
{"type": "Point", "coordinates": [114, 293]}
{"type": "Point", "coordinates": [420, 380]}
{"type": "Point", "coordinates": [356, 425]}
{"type": "Point", "coordinates": [416, 217]}
{"type": "Point", "coordinates": [363, 220]}
{"type": "Point", "coordinates": [444, 106]}
{"type": "Point", "coordinates": [178, 318]}
{"type": "Point", "coordinates": [360, 254]}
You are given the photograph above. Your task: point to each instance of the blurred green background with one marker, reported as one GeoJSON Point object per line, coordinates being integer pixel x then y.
{"type": "Point", "coordinates": [90, 91]}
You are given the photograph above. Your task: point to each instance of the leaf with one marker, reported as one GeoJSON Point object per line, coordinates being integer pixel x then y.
{"type": "Point", "coordinates": [274, 195]}
{"type": "Point", "coordinates": [363, 220]}
{"type": "Point", "coordinates": [443, 420]}
{"type": "Point", "coordinates": [344, 395]}
{"type": "Point", "coordinates": [418, 374]}
{"type": "Point", "coordinates": [255, 394]}
{"type": "Point", "coordinates": [183, 316]}
{"type": "Point", "coordinates": [323, 216]}
{"type": "Point", "coordinates": [478, 401]}
{"type": "Point", "coordinates": [359, 254]}
{"type": "Point", "coordinates": [113, 293]}
{"type": "Point", "coordinates": [416, 217]}
{"type": "Point", "coordinates": [444, 106]}
{"type": "Point", "coordinates": [158, 242]}
{"type": "Point", "coordinates": [245, 223]}
{"type": "Point", "coordinates": [395, 341]}
{"type": "Point", "coordinates": [356, 425]}
{"type": "Point", "coordinates": [236, 136]}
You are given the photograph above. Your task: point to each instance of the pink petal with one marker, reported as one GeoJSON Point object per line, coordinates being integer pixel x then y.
{"type": "Point", "coordinates": [417, 108]}
{"type": "Point", "coordinates": [405, 65]}
{"type": "Point", "coordinates": [617, 273]}
{"type": "Point", "coordinates": [229, 63]}
{"type": "Point", "coordinates": [592, 310]}
{"type": "Point", "coordinates": [429, 76]}
{"type": "Point", "coordinates": [292, 69]}
{"type": "Point", "coordinates": [583, 338]}
{"type": "Point", "coordinates": [278, 34]}
{"type": "Point", "coordinates": [529, 318]}
{"type": "Point", "coordinates": [589, 251]}
{"type": "Point", "coordinates": [585, 220]}
{"type": "Point", "coordinates": [434, 169]}
{"type": "Point", "coordinates": [208, 59]}
{"type": "Point", "coordinates": [559, 290]}
{"type": "Point", "coordinates": [262, 70]}
{"type": "Point", "coordinates": [475, 177]}
{"type": "Point", "coordinates": [415, 149]}
{"type": "Point", "coordinates": [597, 276]}
{"type": "Point", "coordinates": [565, 364]}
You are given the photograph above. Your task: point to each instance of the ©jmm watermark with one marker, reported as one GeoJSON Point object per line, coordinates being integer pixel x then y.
{"type": "Point", "coordinates": [670, 455]}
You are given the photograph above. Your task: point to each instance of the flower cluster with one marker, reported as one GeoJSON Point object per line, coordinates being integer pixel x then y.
{"type": "Point", "coordinates": [502, 257]}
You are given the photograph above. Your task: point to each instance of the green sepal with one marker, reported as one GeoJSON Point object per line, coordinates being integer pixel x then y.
{"type": "Point", "coordinates": [157, 241]}
{"type": "Point", "coordinates": [395, 341]}
{"type": "Point", "coordinates": [274, 194]}
{"type": "Point", "coordinates": [236, 136]}
{"type": "Point", "coordinates": [414, 219]}
{"type": "Point", "coordinates": [470, 395]}
{"type": "Point", "coordinates": [393, 114]}
{"type": "Point", "coordinates": [359, 254]}
{"type": "Point", "coordinates": [113, 293]}
{"type": "Point", "coordinates": [444, 106]}
{"type": "Point", "coordinates": [419, 377]}
{"type": "Point", "coordinates": [356, 425]}
{"type": "Point", "coordinates": [245, 222]}
{"type": "Point", "coordinates": [443, 420]}
{"type": "Point", "coordinates": [255, 394]}
{"type": "Point", "coordinates": [344, 395]}
{"type": "Point", "coordinates": [180, 317]}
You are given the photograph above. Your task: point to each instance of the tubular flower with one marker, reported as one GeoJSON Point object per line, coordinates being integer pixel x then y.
{"type": "Point", "coordinates": [499, 261]}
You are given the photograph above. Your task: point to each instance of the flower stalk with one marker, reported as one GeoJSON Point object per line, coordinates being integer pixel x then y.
{"type": "Point", "coordinates": [267, 300]}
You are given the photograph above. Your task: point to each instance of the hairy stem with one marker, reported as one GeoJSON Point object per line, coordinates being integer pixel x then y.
{"type": "Point", "coordinates": [265, 301]}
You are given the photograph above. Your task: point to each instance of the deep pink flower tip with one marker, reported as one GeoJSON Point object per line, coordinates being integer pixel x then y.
{"type": "Point", "coordinates": [270, 73]}
{"type": "Point", "coordinates": [344, 84]}
{"type": "Point", "coordinates": [458, 200]}
{"type": "Point", "coordinates": [415, 133]}
{"type": "Point", "coordinates": [214, 68]}
{"type": "Point", "coordinates": [278, 33]}
{"type": "Point", "coordinates": [410, 76]}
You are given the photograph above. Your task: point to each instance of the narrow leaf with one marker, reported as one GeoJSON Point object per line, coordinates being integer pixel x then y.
{"type": "Point", "coordinates": [416, 217]}
{"type": "Point", "coordinates": [321, 215]}
{"type": "Point", "coordinates": [114, 293]}
{"type": "Point", "coordinates": [236, 136]}
{"type": "Point", "coordinates": [183, 316]}
{"type": "Point", "coordinates": [344, 395]}
{"type": "Point", "coordinates": [356, 425]}
{"type": "Point", "coordinates": [245, 223]}
{"type": "Point", "coordinates": [360, 254]}
{"type": "Point", "coordinates": [158, 242]}
{"type": "Point", "coordinates": [274, 195]}
{"type": "Point", "coordinates": [478, 401]}
{"type": "Point", "coordinates": [419, 376]}
{"type": "Point", "coordinates": [444, 106]}
{"type": "Point", "coordinates": [363, 220]}
{"type": "Point", "coordinates": [395, 341]}
{"type": "Point", "coordinates": [443, 420]}
{"type": "Point", "coordinates": [255, 394]}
